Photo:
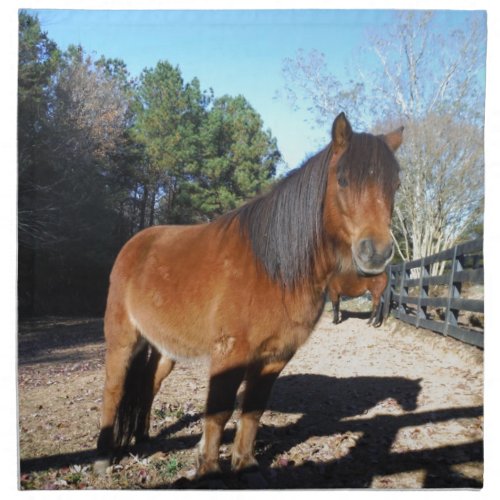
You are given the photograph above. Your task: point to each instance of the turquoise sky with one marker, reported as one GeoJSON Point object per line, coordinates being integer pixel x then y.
{"type": "Point", "coordinates": [233, 52]}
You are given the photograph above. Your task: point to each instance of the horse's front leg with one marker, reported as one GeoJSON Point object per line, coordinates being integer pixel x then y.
{"type": "Point", "coordinates": [259, 382]}
{"type": "Point", "coordinates": [226, 375]}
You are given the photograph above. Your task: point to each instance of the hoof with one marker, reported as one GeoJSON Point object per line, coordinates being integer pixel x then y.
{"type": "Point", "coordinates": [101, 465]}
{"type": "Point", "coordinates": [206, 468]}
{"type": "Point", "coordinates": [243, 463]}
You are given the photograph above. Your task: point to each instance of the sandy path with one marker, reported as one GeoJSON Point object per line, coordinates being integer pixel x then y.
{"type": "Point", "coordinates": [392, 407]}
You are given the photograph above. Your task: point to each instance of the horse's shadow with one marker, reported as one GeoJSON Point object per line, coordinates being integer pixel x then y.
{"type": "Point", "coordinates": [314, 395]}
{"type": "Point", "coordinates": [323, 404]}
{"type": "Point", "coordinates": [329, 406]}
{"type": "Point", "coordinates": [322, 401]}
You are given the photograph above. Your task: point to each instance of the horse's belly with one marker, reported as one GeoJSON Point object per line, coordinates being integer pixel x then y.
{"type": "Point", "coordinates": [174, 340]}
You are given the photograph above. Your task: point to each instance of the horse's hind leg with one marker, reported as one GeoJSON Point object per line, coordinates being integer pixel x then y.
{"type": "Point", "coordinates": [376, 316]}
{"type": "Point", "coordinates": [372, 314]}
{"type": "Point", "coordinates": [336, 309]}
{"type": "Point", "coordinates": [121, 341]}
{"type": "Point", "coordinates": [163, 369]}
{"type": "Point", "coordinates": [259, 382]}
{"type": "Point", "coordinates": [165, 366]}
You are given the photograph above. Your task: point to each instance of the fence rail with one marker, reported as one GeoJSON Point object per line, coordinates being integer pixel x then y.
{"type": "Point", "coordinates": [409, 291]}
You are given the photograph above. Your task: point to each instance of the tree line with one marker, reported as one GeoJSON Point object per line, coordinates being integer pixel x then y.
{"type": "Point", "coordinates": [102, 155]}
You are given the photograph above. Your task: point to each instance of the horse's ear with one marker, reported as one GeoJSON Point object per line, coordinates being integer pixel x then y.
{"type": "Point", "coordinates": [341, 132]}
{"type": "Point", "coordinates": [394, 139]}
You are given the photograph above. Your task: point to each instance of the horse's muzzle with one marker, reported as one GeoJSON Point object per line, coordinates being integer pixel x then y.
{"type": "Point", "coordinates": [371, 258]}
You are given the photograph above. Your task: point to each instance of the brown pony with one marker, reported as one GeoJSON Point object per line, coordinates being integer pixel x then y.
{"type": "Point", "coordinates": [352, 284]}
{"type": "Point", "coordinates": [244, 291]}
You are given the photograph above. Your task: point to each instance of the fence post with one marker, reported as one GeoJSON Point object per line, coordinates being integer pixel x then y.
{"type": "Point", "coordinates": [453, 292]}
{"type": "Point", "coordinates": [401, 288]}
{"type": "Point", "coordinates": [422, 293]}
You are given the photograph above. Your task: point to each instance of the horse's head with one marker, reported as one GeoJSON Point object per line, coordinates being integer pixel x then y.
{"type": "Point", "coordinates": [363, 179]}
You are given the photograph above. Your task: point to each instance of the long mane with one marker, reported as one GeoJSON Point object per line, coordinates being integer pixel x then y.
{"type": "Point", "coordinates": [285, 226]}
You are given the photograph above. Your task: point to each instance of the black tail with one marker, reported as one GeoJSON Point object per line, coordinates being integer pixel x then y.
{"type": "Point", "coordinates": [132, 417]}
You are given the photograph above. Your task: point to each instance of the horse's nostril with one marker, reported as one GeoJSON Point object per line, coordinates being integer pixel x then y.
{"type": "Point", "coordinates": [372, 256]}
{"type": "Point", "coordinates": [366, 249]}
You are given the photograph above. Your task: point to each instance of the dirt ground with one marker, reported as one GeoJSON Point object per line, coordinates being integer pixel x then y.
{"type": "Point", "coordinates": [357, 407]}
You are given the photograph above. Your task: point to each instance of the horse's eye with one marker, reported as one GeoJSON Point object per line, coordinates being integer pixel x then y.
{"type": "Point", "coordinates": [342, 182]}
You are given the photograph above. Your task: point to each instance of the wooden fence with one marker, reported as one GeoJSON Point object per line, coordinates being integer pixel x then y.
{"type": "Point", "coordinates": [420, 296]}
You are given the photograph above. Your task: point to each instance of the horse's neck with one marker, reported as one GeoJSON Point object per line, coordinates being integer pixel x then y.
{"type": "Point", "coordinates": [333, 257]}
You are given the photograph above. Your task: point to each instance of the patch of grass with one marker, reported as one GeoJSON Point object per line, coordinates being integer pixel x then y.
{"type": "Point", "coordinates": [168, 411]}
{"type": "Point", "coordinates": [160, 413]}
{"type": "Point", "coordinates": [167, 469]}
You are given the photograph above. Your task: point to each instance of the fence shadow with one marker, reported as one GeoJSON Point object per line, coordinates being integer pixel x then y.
{"type": "Point", "coordinates": [326, 406]}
